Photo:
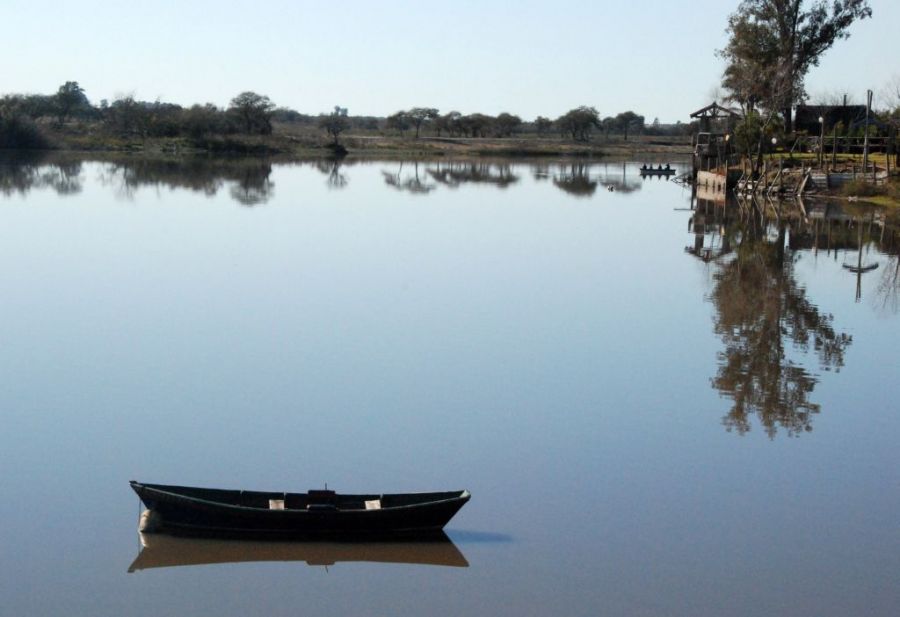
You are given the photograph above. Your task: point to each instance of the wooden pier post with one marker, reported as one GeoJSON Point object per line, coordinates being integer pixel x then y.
{"type": "Point", "coordinates": [865, 168]}
{"type": "Point", "coordinates": [834, 147]}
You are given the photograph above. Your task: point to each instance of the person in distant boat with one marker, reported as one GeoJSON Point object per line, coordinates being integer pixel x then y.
{"type": "Point", "coordinates": [668, 167]}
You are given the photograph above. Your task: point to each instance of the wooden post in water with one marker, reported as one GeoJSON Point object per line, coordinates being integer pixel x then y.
{"type": "Point", "coordinates": [834, 147]}
{"type": "Point", "coordinates": [821, 142]}
{"type": "Point", "coordinates": [780, 174]}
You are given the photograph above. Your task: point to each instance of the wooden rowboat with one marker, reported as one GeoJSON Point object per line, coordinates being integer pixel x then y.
{"type": "Point", "coordinates": [234, 513]}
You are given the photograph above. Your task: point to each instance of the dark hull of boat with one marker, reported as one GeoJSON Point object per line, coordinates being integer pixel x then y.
{"type": "Point", "coordinates": [163, 551]}
{"type": "Point", "coordinates": [224, 513]}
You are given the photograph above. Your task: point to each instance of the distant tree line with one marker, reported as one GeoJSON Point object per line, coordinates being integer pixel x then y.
{"type": "Point", "coordinates": [250, 113]}
{"type": "Point", "coordinates": [577, 124]}
{"type": "Point", "coordinates": [453, 124]}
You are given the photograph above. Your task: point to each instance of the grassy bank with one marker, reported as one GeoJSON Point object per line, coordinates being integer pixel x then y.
{"type": "Point", "coordinates": [290, 141]}
{"type": "Point", "coordinates": [884, 194]}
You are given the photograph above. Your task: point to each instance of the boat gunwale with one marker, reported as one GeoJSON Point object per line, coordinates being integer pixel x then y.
{"type": "Point", "coordinates": [462, 495]}
{"type": "Point", "coordinates": [230, 532]}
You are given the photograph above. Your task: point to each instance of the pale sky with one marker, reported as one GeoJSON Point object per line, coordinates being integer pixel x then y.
{"type": "Point", "coordinates": [655, 57]}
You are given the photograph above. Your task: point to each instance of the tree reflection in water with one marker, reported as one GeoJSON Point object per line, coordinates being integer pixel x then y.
{"type": "Point", "coordinates": [22, 173]}
{"type": "Point", "coordinates": [761, 310]}
{"type": "Point", "coordinates": [887, 293]}
{"type": "Point", "coordinates": [251, 185]}
{"type": "Point", "coordinates": [455, 173]}
{"type": "Point", "coordinates": [248, 182]}
{"type": "Point", "coordinates": [540, 172]}
{"type": "Point", "coordinates": [575, 180]}
{"type": "Point", "coordinates": [247, 179]}
{"type": "Point", "coordinates": [617, 177]}
{"type": "Point", "coordinates": [332, 169]}
{"type": "Point", "coordinates": [411, 182]}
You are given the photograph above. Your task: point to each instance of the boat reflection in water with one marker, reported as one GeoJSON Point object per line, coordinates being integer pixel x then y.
{"type": "Point", "coordinates": [164, 551]}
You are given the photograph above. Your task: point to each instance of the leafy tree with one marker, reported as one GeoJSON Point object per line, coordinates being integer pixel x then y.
{"type": "Point", "coordinates": [128, 116]}
{"type": "Point", "coordinates": [291, 116]}
{"type": "Point", "coordinates": [33, 106]}
{"type": "Point", "coordinates": [774, 43]}
{"type": "Point", "coordinates": [20, 131]}
{"type": "Point", "coordinates": [335, 123]}
{"type": "Point", "coordinates": [476, 125]}
{"type": "Point", "coordinates": [441, 124]}
{"type": "Point", "coordinates": [420, 115]}
{"type": "Point", "coordinates": [506, 124]}
{"type": "Point", "coordinates": [165, 119]}
{"type": "Point", "coordinates": [366, 123]}
{"type": "Point", "coordinates": [629, 121]}
{"type": "Point", "coordinates": [753, 132]}
{"type": "Point", "coordinates": [253, 112]}
{"type": "Point", "coordinates": [579, 122]}
{"type": "Point", "coordinates": [202, 120]}
{"type": "Point", "coordinates": [399, 121]}
{"type": "Point", "coordinates": [450, 122]}
{"type": "Point", "coordinates": [608, 124]}
{"type": "Point", "coordinates": [542, 125]}
{"type": "Point", "coordinates": [69, 99]}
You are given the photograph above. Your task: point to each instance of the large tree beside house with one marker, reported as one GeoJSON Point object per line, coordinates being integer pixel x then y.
{"type": "Point", "coordinates": [772, 45]}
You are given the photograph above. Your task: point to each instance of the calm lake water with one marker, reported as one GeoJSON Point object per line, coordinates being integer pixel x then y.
{"type": "Point", "coordinates": [658, 410]}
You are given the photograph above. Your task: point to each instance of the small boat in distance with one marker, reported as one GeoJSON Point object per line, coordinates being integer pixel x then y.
{"type": "Point", "coordinates": [649, 170]}
{"type": "Point", "coordinates": [317, 513]}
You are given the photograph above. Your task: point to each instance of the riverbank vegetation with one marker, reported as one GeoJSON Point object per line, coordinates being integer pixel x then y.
{"type": "Point", "coordinates": [253, 124]}
{"type": "Point", "coordinates": [772, 46]}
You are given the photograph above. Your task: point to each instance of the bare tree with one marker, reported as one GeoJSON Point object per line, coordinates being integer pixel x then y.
{"type": "Point", "coordinates": [835, 97]}
{"type": "Point", "coordinates": [335, 123]}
